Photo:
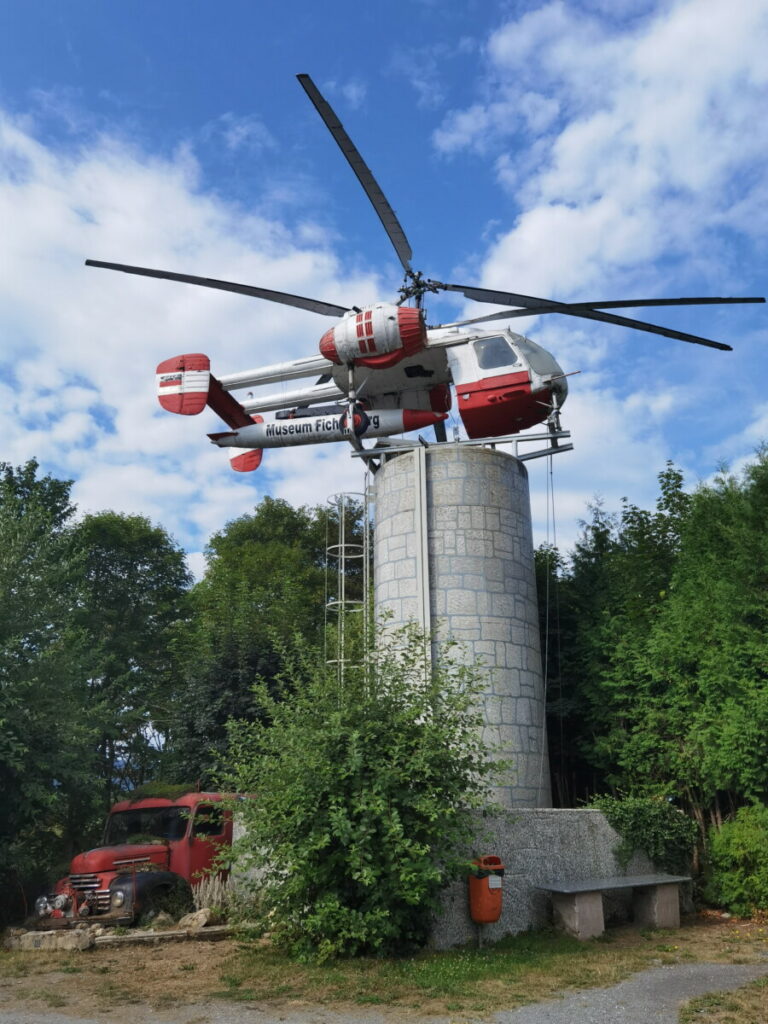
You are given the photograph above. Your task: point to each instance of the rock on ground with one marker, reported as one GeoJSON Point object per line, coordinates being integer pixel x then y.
{"type": "Point", "coordinates": [197, 919]}
{"type": "Point", "coordinates": [60, 940]}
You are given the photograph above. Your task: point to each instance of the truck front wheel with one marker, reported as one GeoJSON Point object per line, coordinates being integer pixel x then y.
{"type": "Point", "coordinates": [174, 899]}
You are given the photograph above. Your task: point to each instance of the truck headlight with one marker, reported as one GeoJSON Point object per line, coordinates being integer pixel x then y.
{"type": "Point", "coordinates": [42, 906]}
{"type": "Point", "coordinates": [61, 901]}
{"type": "Point", "coordinates": [118, 898]}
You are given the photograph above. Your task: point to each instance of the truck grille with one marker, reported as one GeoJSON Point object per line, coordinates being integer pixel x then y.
{"type": "Point", "coordinates": [90, 883]}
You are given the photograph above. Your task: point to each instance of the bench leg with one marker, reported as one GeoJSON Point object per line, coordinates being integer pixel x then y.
{"type": "Point", "coordinates": [658, 906]}
{"type": "Point", "coordinates": [579, 913]}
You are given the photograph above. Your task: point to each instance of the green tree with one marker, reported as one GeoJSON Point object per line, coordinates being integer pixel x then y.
{"type": "Point", "coordinates": [130, 596]}
{"type": "Point", "coordinates": [575, 597]}
{"type": "Point", "coordinates": [738, 862]}
{"type": "Point", "coordinates": [85, 612]}
{"type": "Point", "coordinates": [606, 724]}
{"type": "Point", "coordinates": [46, 741]}
{"type": "Point", "coordinates": [636, 729]}
{"type": "Point", "coordinates": [265, 581]}
{"type": "Point", "coordinates": [663, 647]}
{"type": "Point", "coordinates": [709, 651]}
{"type": "Point", "coordinates": [362, 792]}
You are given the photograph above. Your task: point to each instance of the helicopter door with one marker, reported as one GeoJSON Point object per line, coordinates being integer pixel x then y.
{"type": "Point", "coordinates": [493, 387]}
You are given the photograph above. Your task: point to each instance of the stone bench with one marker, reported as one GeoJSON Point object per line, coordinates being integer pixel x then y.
{"type": "Point", "coordinates": [578, 906]}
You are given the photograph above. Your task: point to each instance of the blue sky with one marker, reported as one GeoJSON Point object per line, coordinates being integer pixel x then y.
{"type": "Point", "coordinates": [580, 151]}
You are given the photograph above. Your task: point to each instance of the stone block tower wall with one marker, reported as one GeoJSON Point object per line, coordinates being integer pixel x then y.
{"type": "Point", "coordinates": [453, 551]}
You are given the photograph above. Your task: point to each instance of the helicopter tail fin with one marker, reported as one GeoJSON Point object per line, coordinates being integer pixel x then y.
{"type": "Point", "coordinates": [246, 462]}
{"type": "Point", "coordinates": [185, 385]}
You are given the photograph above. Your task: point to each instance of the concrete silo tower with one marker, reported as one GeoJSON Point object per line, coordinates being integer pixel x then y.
{"type": "Point", "coordinates": [453, 551]}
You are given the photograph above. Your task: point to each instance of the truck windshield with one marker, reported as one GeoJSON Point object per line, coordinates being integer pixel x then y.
{"type": "Point", "coordinates": [146, 825]}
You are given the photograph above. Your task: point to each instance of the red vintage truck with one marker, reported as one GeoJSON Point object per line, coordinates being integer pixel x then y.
{"type": "Point", "coordinates": [153, 850]}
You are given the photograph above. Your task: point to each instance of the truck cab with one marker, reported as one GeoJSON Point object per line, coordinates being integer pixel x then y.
{"type": "Point", "coordinates": [153, 851]}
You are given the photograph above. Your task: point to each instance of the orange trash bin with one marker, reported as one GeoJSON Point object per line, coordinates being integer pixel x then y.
{"type": "Point", "coordinates": [485, 890]}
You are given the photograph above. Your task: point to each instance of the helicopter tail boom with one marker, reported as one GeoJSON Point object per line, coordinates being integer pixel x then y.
{"type": "Point", "coordinates": [185, 385]}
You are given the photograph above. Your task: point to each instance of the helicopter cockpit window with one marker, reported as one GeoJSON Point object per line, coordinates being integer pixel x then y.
{"type": "Point", "coordinates": [539, 360]}
{"type": "Point", "coordinates": [494, 352]}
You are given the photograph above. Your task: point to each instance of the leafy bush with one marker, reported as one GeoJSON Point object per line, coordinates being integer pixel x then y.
{"type": "Point", "coordinates": [738, 862]}
{"type": "Point", "coordinates": [362, 792]}
{"type": "Point", "coordinates": [652, 825]}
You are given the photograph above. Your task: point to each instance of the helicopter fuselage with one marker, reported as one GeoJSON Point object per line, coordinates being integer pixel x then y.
{"type": "Point", "coordinates": [383, 357]}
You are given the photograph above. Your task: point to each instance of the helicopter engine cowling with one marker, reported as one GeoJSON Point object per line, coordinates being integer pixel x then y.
{"type": "Point", "coordinates": [378, 336]}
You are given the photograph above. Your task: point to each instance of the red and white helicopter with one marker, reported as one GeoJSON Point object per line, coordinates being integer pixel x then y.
{"type": "Point", "coordinates": [382, 370]}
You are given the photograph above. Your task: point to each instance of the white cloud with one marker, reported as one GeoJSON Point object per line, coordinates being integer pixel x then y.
{"type": "Point", "coordinates": [310, 475]}
{"type": "Point", "coordinates": [239, 132]}
{"type": "Point", "coordinates": [632, 137]}
{"type": "Point", "coordinates": [80, 345]}
{"type": "Point", "coordinates": [428, 68]}
{"type": "Point", "coordinates": [656, 117]}
{"type": "Point", "coordinates": [748, 440]}
{"type": "Point", "coordinates": [635, 144]}
{"type": "Point", "coordinates": [353, 91]}
{"type": "Point", "coordinates": [619, 448]}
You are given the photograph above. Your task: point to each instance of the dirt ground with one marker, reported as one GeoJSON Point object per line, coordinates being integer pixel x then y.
{"type": "Point", "coordinates": [113, 980]}
{"type": "Point", "coordinates": [231, 979]}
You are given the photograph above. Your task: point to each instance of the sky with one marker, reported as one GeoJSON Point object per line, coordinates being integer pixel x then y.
{"type": "Point", "coordinates": [602, 149]}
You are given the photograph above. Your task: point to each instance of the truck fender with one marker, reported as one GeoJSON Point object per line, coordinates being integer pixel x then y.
{"type": "Point", "coordinates": [141, 887]}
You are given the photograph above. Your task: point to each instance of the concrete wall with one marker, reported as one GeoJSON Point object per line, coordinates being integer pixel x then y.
{"type": "Point", "coordinates": [537, 845]}
{"type": "Point", "coordinates": [473, 555]}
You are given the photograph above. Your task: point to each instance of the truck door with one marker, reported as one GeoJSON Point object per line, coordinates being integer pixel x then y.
{"type": "Point", "coordinates": [211, 830]}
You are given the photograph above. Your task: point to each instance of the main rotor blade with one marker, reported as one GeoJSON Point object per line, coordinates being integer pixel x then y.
{"type": "Point", "coordinates": [313, 305]}
{"type": "Point", "coordinates": [379, 201]}
{"type": "Point", "coordinates": [531, 304]}
{"type": "Point", "coordinates": [510, 314]}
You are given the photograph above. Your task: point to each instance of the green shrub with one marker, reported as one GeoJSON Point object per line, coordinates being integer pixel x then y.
{"type": "Point", "coordinates": [652, 825]}
{"type": "Point", "coordinates": [738, 862]}
{"type": "Point", "coordinates": [361, 797]}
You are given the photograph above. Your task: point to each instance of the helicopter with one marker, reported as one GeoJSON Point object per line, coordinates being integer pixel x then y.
{"type": "Point", "coordinates": [381, 369]}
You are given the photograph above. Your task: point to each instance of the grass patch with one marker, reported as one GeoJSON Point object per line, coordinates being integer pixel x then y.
{"type": "Point", "coordinates": [53, 999]}
{"type": "Point", "coordinates": [466, 983]}
{"type": "Point", "coordinates": [515, 971]}
{"type": "Point", "coordinates": [111, 994]}
{"type": "Point", "coordinates": [748, 1005]}
{"type": "Point", "coordinates": [14, 966]}
{"type": "Point", "coordinates": [521, 969]}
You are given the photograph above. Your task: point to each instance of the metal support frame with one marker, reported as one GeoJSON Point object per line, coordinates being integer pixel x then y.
{"type": "Point", "coordinates": [338, 603]}
{"type": "Point", "coordinates": [421, 530]}
{"type": "Point", "coordinates": [390, 447]}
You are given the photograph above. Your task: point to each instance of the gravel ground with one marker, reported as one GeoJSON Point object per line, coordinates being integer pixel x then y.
{"type": "Point", "coordinates": [221, 1013]}
{"type": "Point", "coordinates": [655, 995]}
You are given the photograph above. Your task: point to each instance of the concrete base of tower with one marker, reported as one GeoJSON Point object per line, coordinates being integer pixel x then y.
{"type": "Point", "coordinates": [453, 551]}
